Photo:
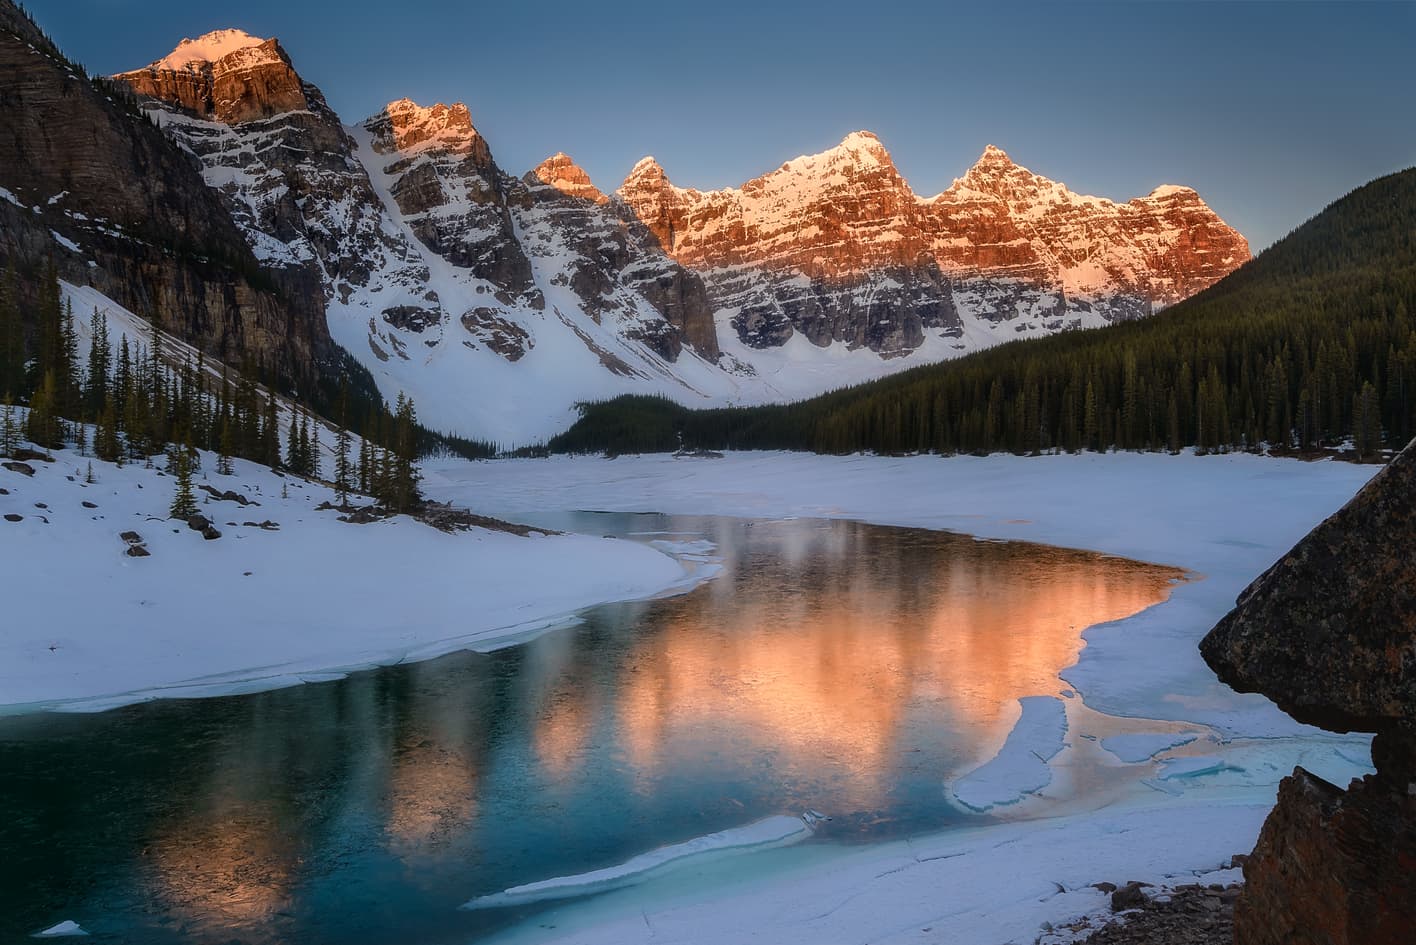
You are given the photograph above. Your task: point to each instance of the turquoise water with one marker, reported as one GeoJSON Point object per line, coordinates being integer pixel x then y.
{"type": "Point", "coordinates": [834, 666]}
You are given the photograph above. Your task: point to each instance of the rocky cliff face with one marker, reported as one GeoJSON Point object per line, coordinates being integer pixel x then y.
{"type": "Point", "coordinates": [227, 76]}
{"type": "Point", "coordinates": [612, 265]}
{"type": "Point", "coordinates": [89, 181]}
{"type": "Point", "coordinates": [838, 247]}
{"type": "Point", "coordinates": [281, 162]}
{"type": "Point", "coordinates": [1329, 633]}
{"type": "Point", "coordinates": [450, 192]}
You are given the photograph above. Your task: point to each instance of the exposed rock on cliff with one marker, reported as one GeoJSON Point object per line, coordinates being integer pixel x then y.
{"type": "Point", "coordinates": [615, 267]}
{"type": "Point", "coordinates": [227, 76]}
{"type": "Point", "coordinates": [118, 205]}
{"type": "Point", "coordinates": [450, 192]}
{"type": "Point", "coordinates": [1329, 633]}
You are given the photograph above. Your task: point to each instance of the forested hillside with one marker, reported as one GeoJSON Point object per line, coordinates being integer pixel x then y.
{"type": "Point", "coordinates": [1309, 344]}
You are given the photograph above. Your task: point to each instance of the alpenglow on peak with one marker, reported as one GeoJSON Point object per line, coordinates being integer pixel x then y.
{"type": "Point", "coordinates": [209, 47]}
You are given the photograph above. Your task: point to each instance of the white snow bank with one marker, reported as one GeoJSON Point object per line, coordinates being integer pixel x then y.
{"type": "Point", "coordinates": [1143, 746]}
{"type": "Point", "coordinates": [976, 886]}
{"type": "Point", "coordinates": [1020, 768]}
{"type": "Point", "coordinates": [64, 929]}
{"type": "Point", "coordinates": [89, 628]}
{"type": "Point", "coordinates": [763, 834]}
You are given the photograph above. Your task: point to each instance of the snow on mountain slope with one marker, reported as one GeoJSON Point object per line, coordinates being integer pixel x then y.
{"type": "Point", "coordinates": [499, 302]}
{"type": "Point", "coordinates": [206, 49]}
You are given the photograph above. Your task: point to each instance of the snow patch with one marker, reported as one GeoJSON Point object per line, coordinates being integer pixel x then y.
{"type": "Point", "coordinates": [1021, 766]}
{"type": "Point", "coordinates": [209, 47]}
{"type": "Point", "coordinates": [65, 929]}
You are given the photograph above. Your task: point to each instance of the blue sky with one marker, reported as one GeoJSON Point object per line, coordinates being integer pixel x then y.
{"type": "Point", "coordinates": [1270, 110]}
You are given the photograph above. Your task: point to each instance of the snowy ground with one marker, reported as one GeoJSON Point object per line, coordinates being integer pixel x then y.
{"type": "Point", "coordinates": [1163, 773]}
{"type": "Point", "coordinates": [87, 627]}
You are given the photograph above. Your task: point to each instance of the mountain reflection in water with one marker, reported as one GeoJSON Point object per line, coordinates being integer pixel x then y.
{"type": "Point", "coordinates": [832, 665]}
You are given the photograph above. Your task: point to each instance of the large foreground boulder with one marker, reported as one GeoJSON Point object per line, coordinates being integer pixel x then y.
{"type": "Point", "coordinates": [1329, 633]}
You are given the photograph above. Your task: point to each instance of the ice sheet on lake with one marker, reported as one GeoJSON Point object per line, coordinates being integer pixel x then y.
{"type": "Point", "coordinates": [1196, 767]}
{"type": "Point", "coordinates": [770, 832]}
{"type": "Point", "coordinates": [64, 929]}
{"type": "Point", "coordinates": [1020, 768]}
{"type": "Point", "coordinates": [1143, 746]}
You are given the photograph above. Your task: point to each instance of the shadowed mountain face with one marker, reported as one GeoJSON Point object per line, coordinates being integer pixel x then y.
{"type": "Point", "coordinates": [1329, 633]}
{"type": "Point", "coordinates": [92, 185]}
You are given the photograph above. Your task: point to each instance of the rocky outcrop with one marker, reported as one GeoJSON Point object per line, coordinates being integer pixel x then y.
{"type": "Point", "coordinates": [450, 192]}
{"type": "Point", "coordinates": [1329, 633]}
{"type": "Point", "coordinates": [837, 246]}
{"type": "Point", "coordinates": [1332, 866]}
{"type": "Point", "coordinates": [592, 246]}
{"type": "Point", "coordinates": [116, 204]}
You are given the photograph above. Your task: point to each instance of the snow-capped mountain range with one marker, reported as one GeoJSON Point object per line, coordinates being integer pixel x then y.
{"type": "Point", "coordinates": [499, 302]}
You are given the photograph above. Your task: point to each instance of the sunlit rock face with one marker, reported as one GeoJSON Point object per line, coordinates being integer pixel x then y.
{"type": "Point", "coordinates": [1329, 633]}
{"type": "Point", "coordinates": [837, 246]}
{"type": "Point", "coordinates": [366, 214]}
{"type": "Point", "coordinates": [279, 157]}
{"type": "Point", "coordinates": [450, 192]}
{"type": "Point", "coordinates": [614, 267]}
{"type": "Point", "coordinates": [227, 76]}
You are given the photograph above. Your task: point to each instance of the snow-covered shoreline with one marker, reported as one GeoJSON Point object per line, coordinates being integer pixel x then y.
{"type": "Point", "coordinates": [89, 628]}
{"type": "Point", "coordinates": [1172, 812]}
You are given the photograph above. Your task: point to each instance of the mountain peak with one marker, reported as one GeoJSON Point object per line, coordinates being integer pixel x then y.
{"type": "Point", "coordinates": [647, 166]}
{"type": "Point", "coordinates": [994, 156]}
{"type": "Point", "coordinates": [864, 147]}
{"type": "Point", "coordinates": [207, 48]}
{"type": "Point", "coordinates": [562, 173]}
{"type": "Point", "coordinates": [404, 125]}
{"type": "Point", "coordinates": [1172, 190]}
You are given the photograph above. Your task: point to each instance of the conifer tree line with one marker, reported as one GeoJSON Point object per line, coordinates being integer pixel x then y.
{"type": "Point", "coordinates": [143, 401]}
{"type": "Point", "coordinates": [1312, 345]}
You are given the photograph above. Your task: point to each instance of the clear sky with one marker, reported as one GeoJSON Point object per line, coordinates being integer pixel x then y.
{"type": "Point", "coordinates": [1270, 110]}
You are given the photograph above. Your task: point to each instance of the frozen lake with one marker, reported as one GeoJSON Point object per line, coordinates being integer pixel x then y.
{"type": "Point", "coordinates": [853, 670]}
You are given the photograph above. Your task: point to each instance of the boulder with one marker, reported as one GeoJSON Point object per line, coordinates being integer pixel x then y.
{"type": "Point", "coordinates": [1329, 633]}
{"type": "Point", "coordinates": [1332, 866]}
{"type": "Point", "coordinates": [24, 469]}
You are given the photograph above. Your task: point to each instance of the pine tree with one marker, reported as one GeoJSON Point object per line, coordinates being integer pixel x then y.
{"type": "Point", "coordinates": [96, 377]}
{"type": "Point", "coordinates": [184, 501]}
{"type": "Point", "coordinates": [343, 467]}
{"type": "Point", "coordinates": [313, 450]}
{"type": "Point", "coordinates": [42, 425]}
{"type": "Point", "coordinates": [294, 443]}
{"type": "Point", "coordinates": [9, 427]}
{"type": "Point", "coordinates": [106, 444]}
{"type": "Point", "coordinates": [226, 439]}
{"type": "Point", "coordinates": [12, 339]}
{"type": "Point", "coordinates": [269, 451]}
